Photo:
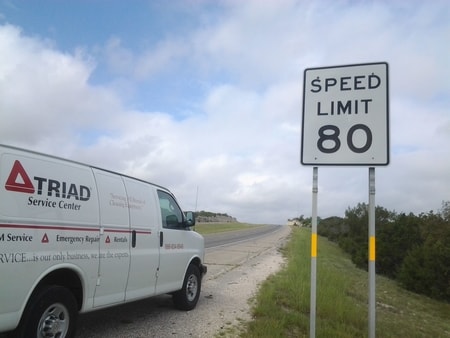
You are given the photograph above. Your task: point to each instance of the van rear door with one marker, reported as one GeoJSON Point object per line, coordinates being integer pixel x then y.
{"type": "Point", "coordinates": [114, 245]}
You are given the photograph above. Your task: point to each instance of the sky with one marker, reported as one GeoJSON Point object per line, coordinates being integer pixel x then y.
{"type": "Point", "coordinates": [205, 97]}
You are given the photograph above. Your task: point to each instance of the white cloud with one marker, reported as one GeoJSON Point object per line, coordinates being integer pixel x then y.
{"type": "Point", "coordinates": [45, 93]}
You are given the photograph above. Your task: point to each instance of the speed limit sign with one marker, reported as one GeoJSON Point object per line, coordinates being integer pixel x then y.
{"type": "Point", "coordinates": [345, 118]}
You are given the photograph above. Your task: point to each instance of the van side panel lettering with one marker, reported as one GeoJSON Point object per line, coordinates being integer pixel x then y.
{"type": "Point", "coordinates": [40, 181]}
{"type": "Point", "coordinates": [55, 188]}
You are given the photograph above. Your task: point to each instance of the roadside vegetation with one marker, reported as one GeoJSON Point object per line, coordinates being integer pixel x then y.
{"type": "Point", "coordinates": [281, 307]}
{"type": "Point", "coordinates": [413, 250]}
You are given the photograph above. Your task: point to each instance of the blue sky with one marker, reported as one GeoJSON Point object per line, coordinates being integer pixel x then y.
{"type": "Point", "coordinates": [208, 94]}
{"type": "Point", "coordinates": [130, 29]}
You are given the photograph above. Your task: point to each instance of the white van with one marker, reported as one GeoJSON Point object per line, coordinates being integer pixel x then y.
{"type": "Point", "coordinates": [75, 238]}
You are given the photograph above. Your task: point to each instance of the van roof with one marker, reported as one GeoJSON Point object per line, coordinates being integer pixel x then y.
{"type": "Point", "coordinates": [79, 163]}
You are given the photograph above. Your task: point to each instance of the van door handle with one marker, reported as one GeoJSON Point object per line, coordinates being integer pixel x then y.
{"type": "Point", "coordinates": [133, 239]}
{"type": "Point", "coordinates": [161, 239]}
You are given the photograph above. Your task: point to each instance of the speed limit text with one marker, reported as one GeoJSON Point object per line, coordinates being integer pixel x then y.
{"type": "Point", "coordinates": [343, 84]}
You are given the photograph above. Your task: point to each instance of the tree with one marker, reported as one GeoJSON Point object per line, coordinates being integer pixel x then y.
{"type": "Point", "coordinates": [426, 270]}
{"type": "Point", "coordinates": [332, 228]}
{"type": "Point", "coordinates": [395, 238]}
{"type": "Point", "coordinates": [355, 241]}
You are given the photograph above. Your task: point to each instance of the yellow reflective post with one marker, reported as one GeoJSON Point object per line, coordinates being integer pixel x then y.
{"type": "Point", "coordinates": [313, 245]}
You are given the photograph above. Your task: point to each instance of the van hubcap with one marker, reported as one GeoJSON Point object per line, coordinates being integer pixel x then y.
{"type": "Point", "coordinates": [191, 288]}
{"type": "Point", "coordinates": [54, 322]}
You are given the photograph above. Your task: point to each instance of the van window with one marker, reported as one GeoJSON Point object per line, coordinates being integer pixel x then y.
{"type": "Point", "coordinates": [171, 214]}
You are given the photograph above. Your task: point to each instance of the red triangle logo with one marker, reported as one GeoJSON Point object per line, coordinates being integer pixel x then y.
{"type": "Point", "coordinates": [44, 239]}
{"type": "Point", "coordinates": [18, 180]}
{"type": "Point", "coordinates": [107, 240]}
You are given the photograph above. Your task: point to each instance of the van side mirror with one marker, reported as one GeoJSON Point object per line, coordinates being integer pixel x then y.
{"type": "Point", "coordinates": [190, 219]}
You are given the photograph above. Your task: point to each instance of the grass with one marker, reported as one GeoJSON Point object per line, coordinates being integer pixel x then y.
{"type": "Point", "coordinates": [282, 305]}
{"type": "Point", "coordinates": [212, 228]}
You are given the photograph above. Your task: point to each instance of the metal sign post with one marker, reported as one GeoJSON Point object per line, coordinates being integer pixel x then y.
{"type": "Point", "coordinates": [312, 317]}
{"type": "Point", "coordinates": [372, 300]}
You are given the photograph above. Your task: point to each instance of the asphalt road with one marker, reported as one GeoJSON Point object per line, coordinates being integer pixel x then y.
{"type": "Point", "coordinates": [234, 237]}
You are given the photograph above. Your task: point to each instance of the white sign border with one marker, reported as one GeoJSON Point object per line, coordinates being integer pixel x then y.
{"type": "Point", "coordinates": [322, 163]}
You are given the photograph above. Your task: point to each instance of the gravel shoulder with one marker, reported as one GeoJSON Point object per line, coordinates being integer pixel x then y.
{"type": "Point", "coordinates": [234, 275]}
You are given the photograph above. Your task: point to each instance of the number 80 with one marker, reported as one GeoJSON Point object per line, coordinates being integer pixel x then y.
{"type": "Point", "coordinates": [331, 133]}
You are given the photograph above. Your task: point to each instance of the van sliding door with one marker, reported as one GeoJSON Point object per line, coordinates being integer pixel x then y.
{"type": "Point", "coordinates": [144, 212]}
{"type": "Point", "coordinates": [115, 237]}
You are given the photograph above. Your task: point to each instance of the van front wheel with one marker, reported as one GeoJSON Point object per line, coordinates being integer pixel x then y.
{"type": "Point", "coordinates": [186, 299]}
{"type": "Point", "coordinates": [51, 312]}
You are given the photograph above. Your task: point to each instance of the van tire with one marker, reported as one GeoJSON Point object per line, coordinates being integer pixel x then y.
{"type": "Point", "coordinates": [186, 299]}
{"type": "Point", "coordinates": [51, 312]}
